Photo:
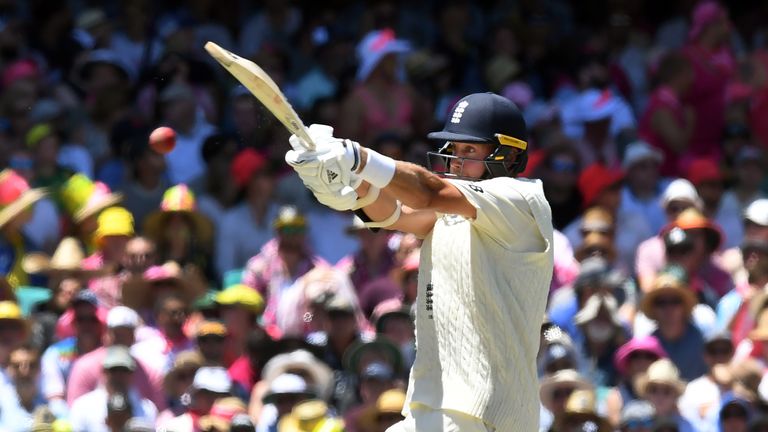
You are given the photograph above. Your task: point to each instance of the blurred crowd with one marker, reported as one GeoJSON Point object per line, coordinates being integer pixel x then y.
{"type": "Point", "coordinates": [206, 290]}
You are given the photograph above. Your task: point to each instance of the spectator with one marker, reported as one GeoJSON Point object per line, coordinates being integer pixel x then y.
{"type": "Point", "coordinates": [274, 272]}
{"type": "Point", "coordinates": [703, 396]}
{"type": "Point", "coordinates": [284, 392]}
{"type": "Point", "coordinates": [208, 385]}
{"type": "Point", "coordinates": [210, 337]}
{"type": "Point", "coordinates": [748, 173]}
{"type": "Point", "coordinates": [560, 173]}
{"type": "Point", "coordinates": [221, 414]}
{"type": "Point", "coordinates": [735, 414]}
{"type": "Point", "coordinates": [22, 395]}
{"type": "Point", "coordinates": [86, 373]}
{"type": "Point", "coordinates": [115, 228]}
{"type": "Point", "coordinates": [557, 352]}
{"type": "Point", "coordinates": [708, 178]}
{"type": "Point", "coordinates": [179, 111]}
{"type": "Point", "coordinates": [580, 413]}
{"type": "Point", "coordinates": [679, 195]}
{"type": "Point", "coordinates": [240, 307]}
{"type": "Point", "coordinates": [88, 324]}
{"type": "Point", "coordinates": [44, 141]}
{"type": "Point", "coordinates": [84, 200]}
{"type": "Point", "coordinates": [670, 304]}
{"type": "Point", "coordinates": [385, 412]}
{"type": "Point", "coordinates": [643, 184]}
{"type": "Point", "coordinates": [554, 392]}
{"type": "Point", "coordinates": [15, 210]}
{"type": "Point", "coordinates": [394, 321]}
{"type": "Point", "coordinates": [216, 189]}
{"type": "Point", "coordinates": [181, 233]}
{"type": "Point", "coordinates": [246, 369]}
{"type": "Point", "coordinates": [246, 228]}
{"type": "Point", "coordinates": [755, 219]}
{"type": "Point", "coordinates": [603, 334]}
{"type": "Point", "coordinates": [145, 181]}
{"type": "Point", "coordinates": [632, 360]}
{"type": "Point", "coordinates": [667, 123]}
{"type": "Point", "coordinates": [661, 385]}
{"type": "Point", "coordinates": [376, 379]}
{"type": "Point", "coordinates": [177, 382]}
{"type": "Point", "coordinates": [90, 411]}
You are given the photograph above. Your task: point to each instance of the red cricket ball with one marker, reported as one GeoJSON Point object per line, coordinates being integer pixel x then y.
{"type": "Point", "coordinates": [162, 139]}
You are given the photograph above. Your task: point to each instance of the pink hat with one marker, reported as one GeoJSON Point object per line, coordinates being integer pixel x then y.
{"type": "Point", "coordinates": [19, 70]}
{"type": "Point", "coordinates": [705, 13]}
{"type": "Point", "coordinates": [646, 343]}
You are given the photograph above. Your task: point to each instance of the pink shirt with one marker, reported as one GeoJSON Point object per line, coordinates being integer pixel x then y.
{"type": "Point", "coordinates": [711, 71]}
{"type": "Point", "coordinates": [87, 374]}
{"type": "Point", "coordinates": [663, 98]}
{"type": "Point", "coordinates": [241, 372]}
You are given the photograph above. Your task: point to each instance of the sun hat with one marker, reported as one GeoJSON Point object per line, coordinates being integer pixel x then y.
{"type": "Point", "coordinates": [390, 402]}
{"type": "Point", "coordinates": [10, 311]}
{"type": "Point", "coordinates": [667, 284]}
{"type": "Point", "coordinates": [184, 361]}
{"type": "Point", "coordinates": [67, 258]}
{"type": "Point", "coordinates": [16, 195]}
{"type": "Point", "coordinates": [319, 376]}
{"type": "Point", "coordinates": [245, 164]}
{"type": "Point", "coordinates": [562, 378]}
{"type": "Point", "coordinates": [179, 199]}
{"type": "Point", "coordinates": [582, 406]}
{"type": "Point", "coordinates": [662, 371]}
{"type": "Point", "coordinates": [692, 218]}
{"type": "Point", "coordinates": [214, 379]}
{"type": "Point", "coordinates": [374, 46]}
{"type": "Point", "coordinates": [310, 416]}
{"type": "Point", "coordinates": [287, 384]}
{"type": "Point", "coordinates": [647, 344]}
{"type": "Point", "coordinates": [640, 151]}
{"type": "Point", "coordinates": [83, 197]}
{"type": "Point", "coordinates": [681, 190]}
{"type": "Point", "coordinates": [757, 212]}
{"type": "Point", "coordinates": [114, 221]}
{"type": "Point", "coordinates": [118, 356]}
{"type": "Point", "coordinates": [596, 179]}
{"type": "Point", "coordinates": [242, 295]}
{"type": "Point", "coordinates": [354, 354]}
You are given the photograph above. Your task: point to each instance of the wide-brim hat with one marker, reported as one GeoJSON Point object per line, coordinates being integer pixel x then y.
{"type": "Point", "coordinates": [288, 384]}
{"type": "Point", "coordinates": [666, 284]}
{"type": "Point", "coordinates": [84, 198]}
{"type": "Point", "coordinates": [16, 195]}
{"type": "Point", "coordinates": [319, 374]}
{"type": "Point", "coordinates": [390, 402]}
{"type": "Point", "coordinates": [374, 46]}
{"type": "Point", "coordinates": [561, 378]}
{"type": "Point", "coordinates": [691, 219]}
{"type": "Point", "coordinates": [664, 372]}
{"type": "Point", "coordinates": [67, 258]}
{"type": "Point", "coordinates": [154, 224]}
{"type": "Point", "coordinates": [638, 344]}
{"type": "Point", "coordinates": [354, 354]}
{"type": "Point", "coordinates": [582, 406]}
{"type": "Point", "coordinates": [189, 282]}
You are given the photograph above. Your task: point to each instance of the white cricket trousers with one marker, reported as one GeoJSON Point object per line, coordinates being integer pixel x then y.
{"type": "Point", "coordinates": [424, 419]}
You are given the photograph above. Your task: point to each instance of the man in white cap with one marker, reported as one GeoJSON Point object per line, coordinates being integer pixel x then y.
{"type": "Point", "coordinates": [86, 373]}
{"type": "Point", "coordinates": [210, 383]}
{"type": "Point", "coordinates": [643, 184]}
{"type": "Point", "coordinates": [89, 412]}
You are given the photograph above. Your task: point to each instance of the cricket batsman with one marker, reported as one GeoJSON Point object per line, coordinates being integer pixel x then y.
{"type": "Point", "coordinates": [486, 261]}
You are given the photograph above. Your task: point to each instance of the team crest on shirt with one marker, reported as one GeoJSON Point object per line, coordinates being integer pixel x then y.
{"type": "Point", "coordinates": [459, 111]}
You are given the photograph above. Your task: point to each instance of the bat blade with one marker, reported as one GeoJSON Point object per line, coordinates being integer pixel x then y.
{"type": "Point", "coordinates": [263, 88]}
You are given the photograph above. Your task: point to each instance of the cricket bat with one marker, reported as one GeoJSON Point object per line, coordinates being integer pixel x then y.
{"type": "Point", "coordinates": [263, 87]}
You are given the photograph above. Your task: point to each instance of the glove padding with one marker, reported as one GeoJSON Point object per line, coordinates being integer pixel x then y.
{"type": "Point", "coordinates": [326, 171]}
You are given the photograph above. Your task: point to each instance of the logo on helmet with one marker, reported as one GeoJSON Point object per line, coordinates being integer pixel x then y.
{"type": "Point", "coordinates": [459, 111]}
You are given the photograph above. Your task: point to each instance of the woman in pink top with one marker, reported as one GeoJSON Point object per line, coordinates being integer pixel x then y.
{"type": "Point", "coordinates": [667, 123]}
{"type": "Point", "coordinates": [713, 66]}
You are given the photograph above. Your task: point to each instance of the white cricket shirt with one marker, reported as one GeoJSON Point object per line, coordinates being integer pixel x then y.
{"type": "Point", "coordinates": [483, 287]}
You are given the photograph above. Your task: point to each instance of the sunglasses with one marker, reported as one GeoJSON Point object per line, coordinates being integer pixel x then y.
{"type": "Point", "coordinates": [664, 302]}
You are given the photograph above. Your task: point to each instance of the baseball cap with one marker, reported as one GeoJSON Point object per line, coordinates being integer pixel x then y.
{"type": "Point", "coordinates": [122, 316]}
{"type": "Point", "coordinates": [640, 151]}
{"type": "Point", "coordinates": [377, 371]}
{"type": "Point", "coordinates": [703, 170]}
{"type": "Point", "coordinates": [757, 212]}
{"type": "Point", "coordinates": [118, 356]}
{"type": "Point", "coordinates": [681, 190]}
{"type": "Point", "coordinates": [241, 295]}
{"type": "Point", "coordinates": [485, 118]}
{"type": "Point", "coordinates": [214, 328]}
{"type": "Point", "coordinates": [241, 423]}
{"type": "Point", "coordinates": [212, 378]}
